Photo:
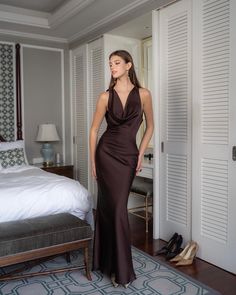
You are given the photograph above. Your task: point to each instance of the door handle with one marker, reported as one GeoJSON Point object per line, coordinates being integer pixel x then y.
{"type": "Point", "coordinates": [162, 146]}
{"type": "Point", "coordinates": [234, 153]}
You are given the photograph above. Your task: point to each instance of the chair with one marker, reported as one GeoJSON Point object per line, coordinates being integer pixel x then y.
{"type": "Point", "coordinates": [142, 187]}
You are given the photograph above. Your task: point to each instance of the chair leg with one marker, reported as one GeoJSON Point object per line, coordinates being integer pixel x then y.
{"type": "Point", "coordinates": [146, 213]}
{"type": "Point", "coordinates": [68, 257]}
{"type": "Point", "coordinates": [145, 206]}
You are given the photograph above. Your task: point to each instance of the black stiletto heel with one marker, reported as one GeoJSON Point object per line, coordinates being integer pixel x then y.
{"type": "Point", "coordinates": [175, 249]}
{"type": "Point", "coordinates": [168, 246]}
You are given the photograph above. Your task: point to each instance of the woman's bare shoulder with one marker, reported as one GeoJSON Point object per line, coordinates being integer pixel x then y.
{"type": "Point", "coordinates": [103, 97]}
{"type": "Point", "coordinates": [104, 94]}
{"type": "Point", "coordinates": [144, 93]}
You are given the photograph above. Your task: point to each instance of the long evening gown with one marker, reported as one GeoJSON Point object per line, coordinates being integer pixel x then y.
{"type": "Point", "coordinates": [116, 161]}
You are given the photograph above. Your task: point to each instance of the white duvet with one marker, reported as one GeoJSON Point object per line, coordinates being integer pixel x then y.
{"type": "Point", "coordinates": [28, 191]}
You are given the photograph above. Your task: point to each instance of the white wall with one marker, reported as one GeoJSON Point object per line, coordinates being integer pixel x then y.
{"type": "Point", "coordinates": [43, 98]}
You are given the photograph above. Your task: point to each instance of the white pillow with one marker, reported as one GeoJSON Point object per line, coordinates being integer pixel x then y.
{"type": "Point", "coordinates": [10, 145]}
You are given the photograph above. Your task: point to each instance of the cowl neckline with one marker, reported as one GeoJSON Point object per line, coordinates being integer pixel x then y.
{"type": "Point", "coordinates": [126, 101]}
{"type": "Point", "coordinates": [126, 113]}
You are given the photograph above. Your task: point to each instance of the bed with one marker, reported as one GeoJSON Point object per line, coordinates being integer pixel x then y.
{"type": "Point", "coordinates": [28, 192]}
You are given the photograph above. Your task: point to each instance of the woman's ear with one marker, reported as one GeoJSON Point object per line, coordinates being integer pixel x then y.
{"type": "Point", "coordinates": [129, 65]}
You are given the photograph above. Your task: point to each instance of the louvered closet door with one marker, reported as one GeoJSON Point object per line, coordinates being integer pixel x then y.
{"type": "Point", "coordinates": [79, 89]}
{"type": "Point", "coordinates": [175, 112]}
{"type": "Point", "coordinates": [214, 134]}
{"type": "Point", "coordinates": [95, 87]}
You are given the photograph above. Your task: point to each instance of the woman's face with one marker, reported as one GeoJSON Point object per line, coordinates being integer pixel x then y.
{"type": "Point", "coordinates": [118, 66]}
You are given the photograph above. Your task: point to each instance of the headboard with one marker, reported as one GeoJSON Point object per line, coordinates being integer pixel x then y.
{"type": "Point", "coordinates": [18, 96]}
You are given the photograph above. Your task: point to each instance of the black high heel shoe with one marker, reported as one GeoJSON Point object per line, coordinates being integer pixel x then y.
{"type": "Point", "coordinates": [175, 249]}
{"type": "Point", "coordinates": [168, 246]}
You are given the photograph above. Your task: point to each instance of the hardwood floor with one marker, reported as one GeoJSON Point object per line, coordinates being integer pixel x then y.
{"type": "Point", "coordinates": [212, 276]}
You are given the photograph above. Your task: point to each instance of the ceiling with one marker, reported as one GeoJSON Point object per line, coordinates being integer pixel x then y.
{"type": "Point", "coordinates": [76, 21]}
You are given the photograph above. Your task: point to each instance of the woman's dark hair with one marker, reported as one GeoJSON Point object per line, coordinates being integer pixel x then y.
{"type": "Point", "coordinates": [127, 58]}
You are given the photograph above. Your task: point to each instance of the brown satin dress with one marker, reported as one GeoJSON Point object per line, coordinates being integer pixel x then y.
{"type": "Point", "coordinates": [116, 161]}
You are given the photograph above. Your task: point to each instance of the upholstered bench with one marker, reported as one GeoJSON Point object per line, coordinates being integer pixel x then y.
{"type": "Point", "coordinates": [142, 187]}
{"type": "Point", "coordinates": [39, 237]}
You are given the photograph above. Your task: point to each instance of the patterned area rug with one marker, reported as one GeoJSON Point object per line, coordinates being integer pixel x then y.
{"type": "Point", "coordinates": [153, 277]}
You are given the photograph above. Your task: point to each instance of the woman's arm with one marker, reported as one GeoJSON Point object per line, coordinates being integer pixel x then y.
{"type": "Point", "coordinates": [97, 121]}
{"type": "Point", "coordinates": [146, 99]}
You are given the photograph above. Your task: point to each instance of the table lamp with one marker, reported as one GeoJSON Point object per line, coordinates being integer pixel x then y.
{"type": "Point", "coordinates": [46, 134]}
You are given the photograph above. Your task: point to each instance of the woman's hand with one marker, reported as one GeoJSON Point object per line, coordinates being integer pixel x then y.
{"type": "Point", "coordinates": [139, 164]}
{"type": "Point", "coordinates": [94, 173]}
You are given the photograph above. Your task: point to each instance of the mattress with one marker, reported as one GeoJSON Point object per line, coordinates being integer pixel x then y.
{"type": "Point", "coordinates": [28, 192]}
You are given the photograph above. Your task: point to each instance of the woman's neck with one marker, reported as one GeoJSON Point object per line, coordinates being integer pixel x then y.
{"type": "Point", "coordinates": [124, 84]}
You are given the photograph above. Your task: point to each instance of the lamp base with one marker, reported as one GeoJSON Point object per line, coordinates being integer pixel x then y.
{"type": "Point", "coordinates": [48, 154]}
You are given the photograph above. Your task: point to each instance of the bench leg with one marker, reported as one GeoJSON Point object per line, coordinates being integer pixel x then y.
{"type": "Point", "coordinates": [68, 260]}
{"type": "Point", "coordinates": [86, 262]}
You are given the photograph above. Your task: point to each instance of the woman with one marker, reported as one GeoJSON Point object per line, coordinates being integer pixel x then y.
{"type": "Point", "coordinates": [115, 161]}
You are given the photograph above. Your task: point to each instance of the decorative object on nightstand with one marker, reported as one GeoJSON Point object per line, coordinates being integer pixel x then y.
{"type": "Point", "coordinates": [58, 158]}
{"type": "Point", "coordinates": [148, 156]}
{"type": "Point", "coordinates": [46, 134]}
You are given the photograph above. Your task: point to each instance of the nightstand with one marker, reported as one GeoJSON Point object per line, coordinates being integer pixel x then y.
{"type": "Point", "coordinates": [61, 169]}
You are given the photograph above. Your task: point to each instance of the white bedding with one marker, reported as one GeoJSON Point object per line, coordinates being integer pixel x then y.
{"type": "Point", "coordinates": [28, 191]}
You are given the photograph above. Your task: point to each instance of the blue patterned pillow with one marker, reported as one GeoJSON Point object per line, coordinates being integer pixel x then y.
{"type": "Point", "coordinates": [12, 157]}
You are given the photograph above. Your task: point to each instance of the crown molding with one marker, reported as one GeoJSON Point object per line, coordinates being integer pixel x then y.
{"type": "Point", "coordinates": [110, 18]}
{"type": "Point", "coordinates": [23, 16]}
{"type": "Point", "coordinates": [68, 10]}
{"type": "Point", "coordinates": [33, 36]}
{"type": "Point", "coordinates": [40, 19]}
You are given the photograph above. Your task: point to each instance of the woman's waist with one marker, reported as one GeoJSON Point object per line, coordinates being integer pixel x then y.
{"type": "Point", "coordinates": [119, 143]}
{"type": "Point", "coordinates": [119, 133]}
{"type": "Point", "coordinates": [118, 138]}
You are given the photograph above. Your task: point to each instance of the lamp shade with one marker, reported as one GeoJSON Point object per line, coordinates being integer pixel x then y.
{"type": "Point", "coordinates": [47, 132]}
